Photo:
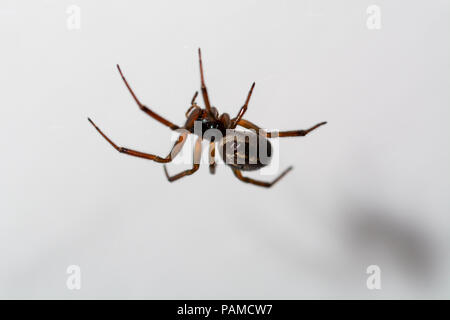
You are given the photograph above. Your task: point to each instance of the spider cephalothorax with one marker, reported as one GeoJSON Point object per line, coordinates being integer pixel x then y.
{"type": "Point", "coordinates": [237, 148]}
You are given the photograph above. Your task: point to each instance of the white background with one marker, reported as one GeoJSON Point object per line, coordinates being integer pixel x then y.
{"type": "Point", "coordinates": [370, 187]}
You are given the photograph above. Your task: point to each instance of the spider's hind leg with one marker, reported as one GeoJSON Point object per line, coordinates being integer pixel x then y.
{"type": "Point", "coordinates": [195, 166]}
{"type": "Point", "coordinates": [293, 133]}
{"type": "Point", "coordinates": [264, 184]}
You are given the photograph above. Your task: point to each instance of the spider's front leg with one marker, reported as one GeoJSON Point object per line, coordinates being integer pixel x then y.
{"type": "Point", "coordinates": [195, 165]}
{"type": "Point", "coordinates": [173, 153]}
{"type": "Point", "coordinates": [202, 81]}
{"type": "Point", "coordinates": [144, 108]}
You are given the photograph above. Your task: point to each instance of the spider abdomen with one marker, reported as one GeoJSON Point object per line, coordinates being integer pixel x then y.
{"type": "Point", "coordinates": [245, 150]}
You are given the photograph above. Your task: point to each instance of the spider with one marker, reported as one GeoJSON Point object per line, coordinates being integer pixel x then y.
{"type": "Point", "coordinates": [209, 118]}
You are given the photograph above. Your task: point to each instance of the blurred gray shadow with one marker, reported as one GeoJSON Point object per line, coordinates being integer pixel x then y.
{"type": "Point", "coordinates": [382, 235]}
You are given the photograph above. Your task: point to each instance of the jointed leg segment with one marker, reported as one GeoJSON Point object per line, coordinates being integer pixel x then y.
{"type": "Point", "coordinates": [195, 166]}
{"type": "Point", "coordinates": [203, 86]}
{"type": "Point", "coordinates": [239, 175]}
{"type": "Point", "coordinates": [173, 153]}
{"type": "Point", "coordinates": [193, 104]}
{"type": "Point", "coordinates": [144, 108]}
{"type": "Point", "coordinates": [243, 108]}
{"type": "Point", "coordinates": [294, 133]}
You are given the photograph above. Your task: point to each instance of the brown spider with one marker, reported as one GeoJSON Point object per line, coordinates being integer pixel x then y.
{"type": "Point", "coordinates": [230, 144]}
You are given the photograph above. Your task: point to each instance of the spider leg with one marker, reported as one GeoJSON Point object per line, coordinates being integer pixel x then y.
{"type": "Point", "coordinates": [194, 97]}
{"type": "Point", "coordinates": [152, 114]}
{"type": "Point", "coordinates": [203, 86]}
{"type": "Point", "coordinates": [294, 133]}
{"type": "Point", "coordinates": [192, 117]}
{"type": "Point", "coordinates": [212, 160]}
{"type": "Point", "coordinates": [193, 104]}
{"type": "Point", "coordinates": [195, 165]}
{"type": "Point", "coordinates": [239, 175]}
{"type": "Point", "coordinates": [173, 153]}
{"type": "Point", "coordinates": [243, 108]}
